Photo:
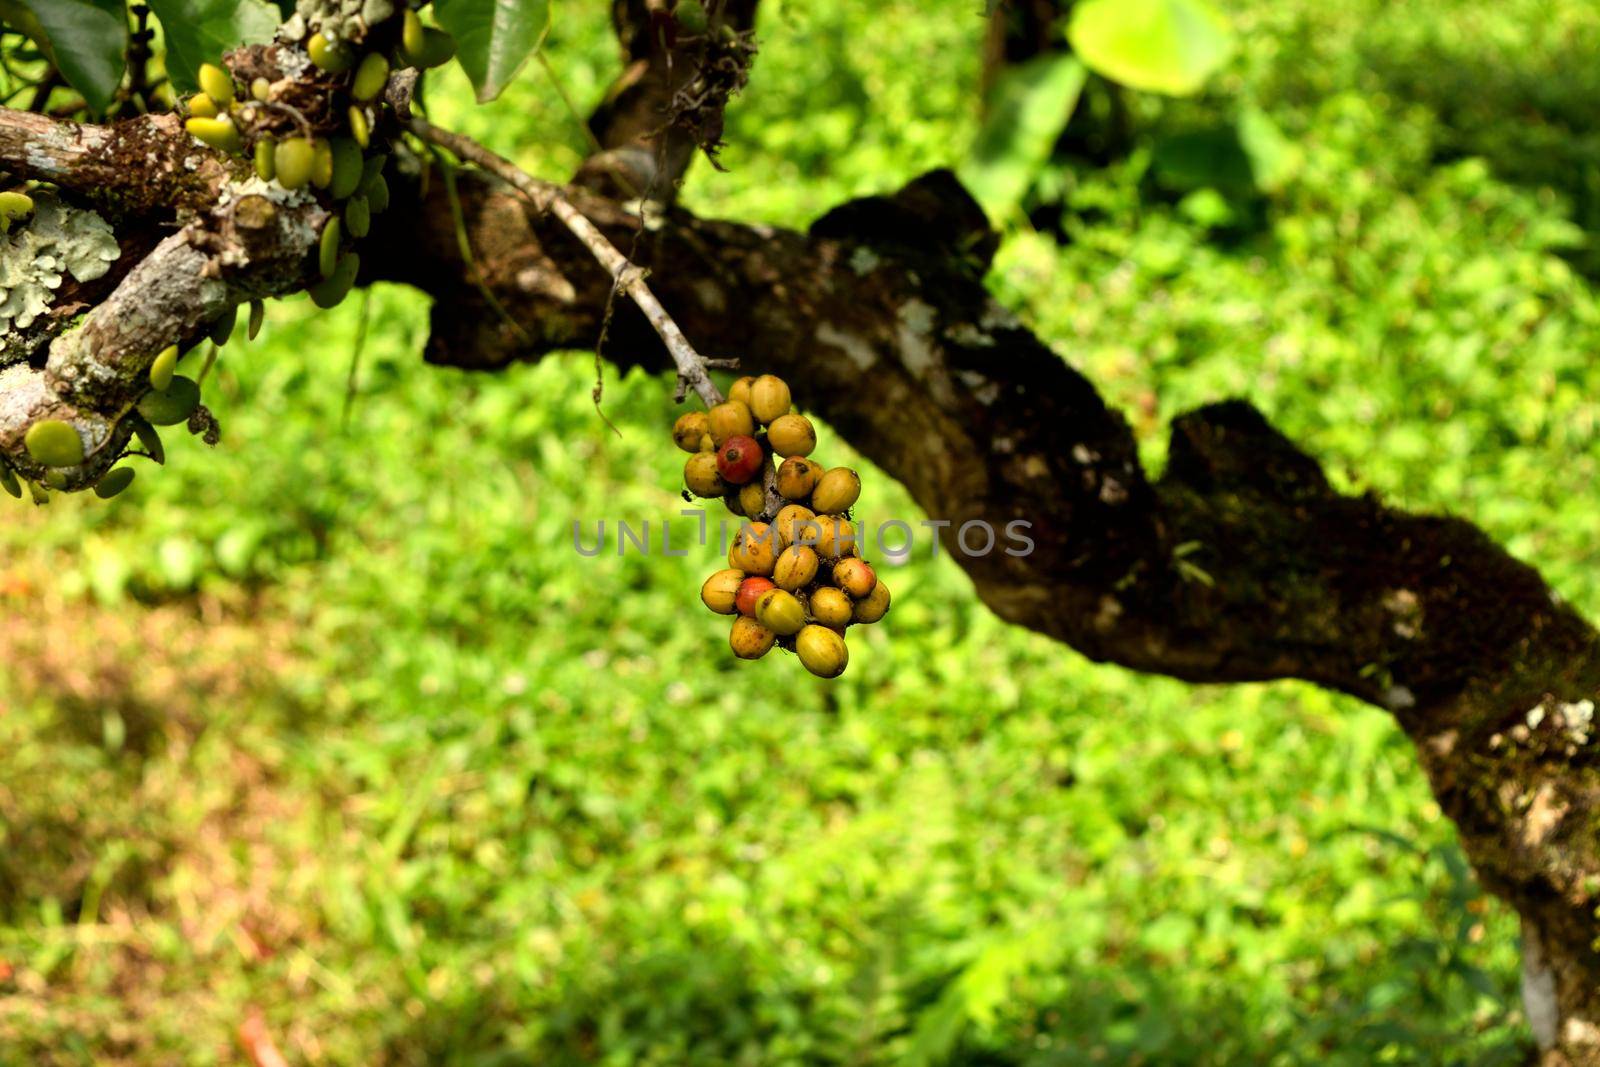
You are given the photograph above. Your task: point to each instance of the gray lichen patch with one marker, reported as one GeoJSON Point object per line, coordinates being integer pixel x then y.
{"type": "Point", "coordinates": [343, 20]}
{"type": "Point", "coordinates": [58, 240]}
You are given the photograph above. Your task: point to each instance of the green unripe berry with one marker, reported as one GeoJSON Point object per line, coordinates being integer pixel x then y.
{"type": "Point", "coordinates": [331, 290]}
{"type": "Point", "coordinates": [53, 443]}
{"type": "Point", "coordinates": [322, 164]}
{"type": "Point", "coordinates": [294, 160]}
{"type": "Point", "coordinates": [378, 195]}
{"type": "Point", "coordinates": [147, 436]}
{"type": "Point", "coordinates": [217, 83]}
{"type": "Point", "coordinates": [328, 249]}
{"type": "Point", "coordinates": [55, 479]}
{"type": "Point", "coordinates": [14, 205]}
{"type": "Point", "coordinates": [357, 216]}
{"type": "Point", "coordinates": [266, 159]}
{"type": "Point", "coordinates": [360, 128]}
{"type": "Point", "coordinates": [690, 16]}
{"type": "Point", "coordinates": [781, 612]}
{"type": "Point", "coordinates": [36, 491]}
{"type": "Point", "coordinates": [115, 481]}
{"type": "Point", "coordinates": [328, 56]}
{"type": "Point", "coordinates": [201, 106]}
{"type": "Point", "coordinates": [438, 47]}
{"type": "Point", "coordinates": [172, 405]}
{"type": "Point", "coordinates": [222, 325]}
{"type": "Point", "coordinates": [371, 77]}
{"type": "Point", "coordinates": [258, 315]}
{"type": "Point", "coordinates": [345, 157]}
{"type": "Point", "coordinates": [219, 133]}
{"type": "Point", "coordinates": [162, 369]}
{"type": "Point", "coordinates": [261, 89]}
{"type": "Point", "coordinates": [8, 481]}
{"type": "Point", "coordinates": [411, 33]}
{"type": "Point", "coordinates": [822, 651]}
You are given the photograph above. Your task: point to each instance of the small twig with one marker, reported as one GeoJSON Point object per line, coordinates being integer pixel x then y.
{"type": "Point", "coordinates": [355, 361]}
{"type": "Point", "coordinates": [628, 278]}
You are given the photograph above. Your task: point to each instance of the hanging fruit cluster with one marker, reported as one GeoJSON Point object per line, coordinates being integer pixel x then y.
{"type": "Point", "coordinates": [795, 579]}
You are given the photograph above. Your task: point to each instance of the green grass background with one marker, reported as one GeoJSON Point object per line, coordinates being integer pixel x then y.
{"type": "Point", "coordinates": [335, 726]}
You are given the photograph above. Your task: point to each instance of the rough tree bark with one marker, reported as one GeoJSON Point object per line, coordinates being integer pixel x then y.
{"type": "Point", "coordinates": [879, 318]}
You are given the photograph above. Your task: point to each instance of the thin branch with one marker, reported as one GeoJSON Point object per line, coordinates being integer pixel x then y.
{"type": "Point", "coordinates": [627, 277]}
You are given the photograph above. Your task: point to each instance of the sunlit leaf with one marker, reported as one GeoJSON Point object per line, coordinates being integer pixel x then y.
{"type": "Point", "coordinates": [1161, 46]}
{"type": "Point", "coordinates": [1030, 107]}
{"type": "Point", "coordinates": [494, 38]}
{"type": "Point", "coordinates": [200, 31]}
{"type": "Point", "coordinates": [87, 41]}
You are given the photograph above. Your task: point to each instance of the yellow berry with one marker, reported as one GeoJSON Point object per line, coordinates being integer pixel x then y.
{"type": "Point", "coordinates": [202, 106]}
{"type": "Point", "coordinates": [874, 607]}
{"type": "Point", "coordinates": [797, 477]}
{"type": "Point", "coordinates": [690, 427]}
{"type": "Point", "coordinates": [792, 435]}
{"type": "Point", "coordinates": [162, 369]}
{"type": "Point", "coordinates": [749, 639]}
{"type": "Point", "coordinates": [14, 205]}
{"type": "Point", "coordinates": [830, 607]}
{"type": "Point", "coordinates": [360, 128]}
{"type": "Point", "coordinates": [328, 55]}
{"type": "Point", "coordinates": [708, 443]}
{"type": "Point", "coordinates": [219, 133]}
{"type": "Point", "coordinates": [836, 539]}
{"type": "Point", "coordinates": [411, 33]}
{"type": "Point", "coordinates": [753, 499]}
{"type": "Point", "coordinates": [822, 651]}
{"type": "Point", "coordinates": [700, 475]}
{"type": "Point", "coordinates": [740, 389]}
{"type": "Point", "coordinates": [755, 549]}
{"type": "Point", "coordinates": [796, 524]}
{"type": "Point", "coordinates": [730, 419]}
{"type": "Point", "coordinates": [855, 576]}
{"type": "Point", "coordinates": [217, 83]}
{"type": "Point", "coordinates": [795, 568]}
{"type": "Point", "coordinates": [779, 611]}
{"type": "Point", "coordinates": [769, 398]}
{"type": "Point", "coordinates": [261, 89]}
{"type": "Point", "coordinates": [720, 589]}
{"type": "Point", "coordinates": [836, 491]}
{"type": "Point", "coordinates": [371, 77]}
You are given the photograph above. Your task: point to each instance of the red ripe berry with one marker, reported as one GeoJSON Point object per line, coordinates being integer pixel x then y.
{"type": "Point", "coordinates": [750, 591]}
{"type": "Point", "coordinates": [739, 459]}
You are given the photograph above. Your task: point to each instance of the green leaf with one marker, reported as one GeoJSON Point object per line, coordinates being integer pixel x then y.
{"type": "Point", "coordinates": [87, 40]}
{"type": "Point", "coordinates": [200, 31]}
{"type": "Point", "coordinates": [1161, 46]}
{"type": "Point", "coordinates": [494, 38]}
{"type": "Point", "coordinates": [1029, 108]}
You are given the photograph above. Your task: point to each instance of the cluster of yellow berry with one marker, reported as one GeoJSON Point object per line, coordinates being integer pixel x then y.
{"type": "Point", "coordinates": [794, 578]}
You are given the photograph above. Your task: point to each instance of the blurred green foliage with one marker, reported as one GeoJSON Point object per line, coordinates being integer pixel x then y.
{"type": "Point", "coordinates": [384, 758]}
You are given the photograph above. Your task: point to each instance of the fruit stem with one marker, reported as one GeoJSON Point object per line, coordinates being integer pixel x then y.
{"type": "Point", "coordinates": [628, 277]}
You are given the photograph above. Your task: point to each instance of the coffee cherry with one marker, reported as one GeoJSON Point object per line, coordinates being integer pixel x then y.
{"type": "Point", "coordinates": [357, 216]}
{"type": "Point", "coordinates": [328, 55]}
{"type": "Point", "coordinates": [750, 590]}
{"type": "Point", "coordinates": [295, 159]}
{"type": "Point", "coordinates": [792, 435]}
{"type": "Point", "coordinates": [739, 459]}
{"type": "Point", "coordinates": [360, 128]}
{"type": "Point", "coordinates": [708, 443]}
{"type": "Point", "coordinates": [371, 77]}
{"type": "Point", "coordinates": [721, 590]}
{"type": "Point", "coordinates": [14, 205]}
{"type": "Point", "coordinates": [822, 651]}
{"type": "Point", "coordinates": [53, 443]}
{"type": "Point", "coordinates": [266, 157]}
{"type": "Point", "coordinates": [220, 133]}
{"type": "Point", "coordinates": [874, 607]}
{"type": "Point", "coordinates": [830, 607]}
{"type": "Point", "coordinates": [261, 89]}
{"type": "Point", "coordinates": [836, 491]}
{"type": "Point", "coordinates": [331, 290]}
{"type": "Point", "coordinates": [217, 84]}
{"type": "Point", "coordinates": [202, 106]}
{"type": "Point", "coordinates": [836, 539]}
{"type": "Point", "coordinates": [749, 639]}
{"type": "Point", "coordinates": [172, 405]}
{"type": "Point", "coordinates": [740, 389]}
{"type": "Point", "coordinates": [700, 475]}
{"type": "Point", "coordinates": [855, 576]}
{"type": "Point", "coordinates": [795, 569]}
{"type": "Point", "coordinates": [796, 525]}
{"type": "Point", "coordinates": [346, 162]}
{"type": "Point", "coordinates": [8, 480]}
{"type": "Point", "coordinates": [162, 367]}
{"type": "Point", "coordinates": [328, 248]}
{"type": "Point", "coordinates": [797, 477]}
{"type": "Point", "coordinates": [752, 499]}
{"type": "Point", "coordinates": [690, 427]}
{"type": "Point", "coordinates": [769, 398]}
{"type": "Point", "coordinates": [779, 611]}
{"type": "Point", "coordinates": [411, 36]}
{"type": "Point", "coordinates": [113, 482]}
{"type": "Point", "coordinates": [755, 549]}
{"type": "Point", "coordinates": [731, 419]}
{"type": "Point", "coordinates": [258, 315]}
